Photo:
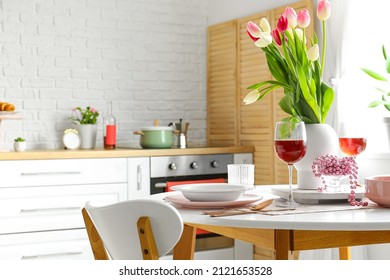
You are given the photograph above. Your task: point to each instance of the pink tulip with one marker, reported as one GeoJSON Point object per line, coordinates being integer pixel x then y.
{"type": "Point", "coordinates": [323, 9]}
{"type": "Point", "coordinates": [253, 30]}
{"type": "Point", "coordinates": [291, 15]}
{"type": "Point", "coordinates": [303, 18]}
{"type": "Point", "coordinates": [282, 23]}
{"type": "Point", "coordinates": [93, 110]}
{"type": "Point", "coordinates": [276, 35]}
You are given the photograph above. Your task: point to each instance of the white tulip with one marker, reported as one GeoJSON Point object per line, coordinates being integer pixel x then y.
{"type": "Point", "coordinates": [264, 40]}
{"type": "Point", "coordinates": [299, 33]}
{"type": "Point", "coordinates": [264, 25]}
{"type": "Point", "coordinates": [313, 53]}
{"type": "Point", "coordinates": [251, 97]}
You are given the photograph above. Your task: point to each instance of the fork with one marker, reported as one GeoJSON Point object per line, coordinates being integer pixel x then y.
{"type": "Point", "coordinates": [239, 211]}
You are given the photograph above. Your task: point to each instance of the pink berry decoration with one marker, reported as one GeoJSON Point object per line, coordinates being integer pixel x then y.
{"type": "Point", "coordinates": [330, 165]}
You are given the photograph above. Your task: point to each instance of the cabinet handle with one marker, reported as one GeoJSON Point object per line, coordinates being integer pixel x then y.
{"type": "Point", "coordinates": [27, 257]}
{"type": "Point", "coordinates": [139, 177]}
{"type": "Point", "coordinates": [50, 209]}
{"type": "Point", "coordinates": [160, 185]}
{"type": "Point", "coordinates": [50, 173]}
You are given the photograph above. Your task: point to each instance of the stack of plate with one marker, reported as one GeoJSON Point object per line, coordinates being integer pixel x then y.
{"type": "Point", "coordinates": [211, 195]}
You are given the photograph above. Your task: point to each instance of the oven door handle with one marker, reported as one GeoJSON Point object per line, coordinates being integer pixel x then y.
{"type": "Point", "coordinates": [160, 185]}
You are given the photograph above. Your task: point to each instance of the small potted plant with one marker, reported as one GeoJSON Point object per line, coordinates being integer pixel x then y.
{"type": "Point", "coordinates": [20, 144]}
{"type": "Point", "coordinates": [85, 121]}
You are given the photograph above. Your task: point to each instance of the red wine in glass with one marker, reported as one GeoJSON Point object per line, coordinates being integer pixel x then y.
{"type": "Point", "coordinates": [352, 146]}
{"type": "Point", "coordinates": [290, 151]}
{"type": "Point", "coordinates": [352, 138]}
{"type": "Point", "coordinates": [290, 147]}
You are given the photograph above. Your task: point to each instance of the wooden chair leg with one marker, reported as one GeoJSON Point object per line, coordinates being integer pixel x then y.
{"type": "Point", "coordinates": [146, 238]}
{"type": "Point", "coordinates": [345, 253]}
{"type": "Point", "coordinates": [99, 252]}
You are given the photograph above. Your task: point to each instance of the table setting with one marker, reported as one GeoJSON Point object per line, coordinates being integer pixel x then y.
{"type": "Point", "coordinates": [240, 196]}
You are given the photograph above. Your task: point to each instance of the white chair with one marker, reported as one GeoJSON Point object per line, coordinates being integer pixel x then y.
{"type": "Point", "coordinates": [133, 229]}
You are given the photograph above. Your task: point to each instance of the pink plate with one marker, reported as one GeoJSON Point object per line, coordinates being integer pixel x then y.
{"type": "Point", "coordinates": [244, 199]}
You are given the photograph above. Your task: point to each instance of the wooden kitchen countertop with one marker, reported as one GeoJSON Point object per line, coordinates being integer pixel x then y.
{"type": "Point", "coordinates": [119, 152]}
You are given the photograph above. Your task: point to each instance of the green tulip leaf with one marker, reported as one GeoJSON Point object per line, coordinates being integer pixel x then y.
{"type": "Point", "coordinates": [328, 100]}
{"type": "Point", "coordinates": [286, 104]}
{"type": "Point", "coordinates": [306, 93]}
{"type": "Point", "coordinates": [259, 85]}
{"type": "Point", "coordinates": [275, 68]}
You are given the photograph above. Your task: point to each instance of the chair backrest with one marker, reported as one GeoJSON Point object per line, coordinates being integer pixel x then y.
{"type": "Point", "coordinates": [116, 225]}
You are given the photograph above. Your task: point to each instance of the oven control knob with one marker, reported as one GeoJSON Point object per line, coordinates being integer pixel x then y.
{"type": "Point", "coordinates": [214, 164]}
{"type": "Point", "coordinates": [194, 165]}
{"type": "Point", "coordinates": [172, 166]}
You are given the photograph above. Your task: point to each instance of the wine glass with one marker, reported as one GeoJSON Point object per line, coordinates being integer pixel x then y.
{"type": "Point", "coordinates": [352, 138]}
{"type": "Point", "coordinates": [290, 147]}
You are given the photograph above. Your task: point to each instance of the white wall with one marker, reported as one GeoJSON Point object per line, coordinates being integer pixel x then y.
{"type": "Point", "coordinates": [146, 56]}
{"type": "Point", "coordinates": [224, 10]}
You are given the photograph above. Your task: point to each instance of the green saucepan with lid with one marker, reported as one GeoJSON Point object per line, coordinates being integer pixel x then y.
{"type": "Point", "coordinates": [156, 137]}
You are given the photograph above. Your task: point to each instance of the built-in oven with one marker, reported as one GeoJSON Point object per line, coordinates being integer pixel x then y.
{"type": "Point", "coordinates": [167, 169]}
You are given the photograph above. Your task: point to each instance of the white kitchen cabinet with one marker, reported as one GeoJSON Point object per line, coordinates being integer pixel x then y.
{"type": "Point", "coordinates": [138, 172]}
{"type": "Point", "coordinates": [47, 245]}
{"type": "Point", "coordinates": [21, 173]}
{"type": "Point", "coordinates": [41, 202]}
{"type": "Point", "coordinates": [28, 209]}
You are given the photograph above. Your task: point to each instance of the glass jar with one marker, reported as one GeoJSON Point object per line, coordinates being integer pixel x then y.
{"type": "Point", "coordinates": [333, 183]}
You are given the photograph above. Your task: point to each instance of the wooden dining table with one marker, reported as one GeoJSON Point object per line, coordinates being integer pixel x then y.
{"type": "Point", "coordinates": [291, 232]}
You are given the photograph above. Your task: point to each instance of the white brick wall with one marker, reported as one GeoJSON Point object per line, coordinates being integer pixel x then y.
{"type": "Point", "coordinates": [147, 57]}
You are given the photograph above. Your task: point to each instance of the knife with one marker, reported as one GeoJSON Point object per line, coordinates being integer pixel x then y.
{"type": "Point", "coordinates": [239, 211]}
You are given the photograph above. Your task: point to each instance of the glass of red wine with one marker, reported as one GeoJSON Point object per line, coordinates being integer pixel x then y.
{"type": "Point", "coordinates": [290, 147]}
{"type": "Point", "coordinates": [352, 139]}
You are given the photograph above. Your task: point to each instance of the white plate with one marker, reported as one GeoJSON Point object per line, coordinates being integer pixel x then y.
{"type": "Point", "coordinates": [210, 191]}
{"type": "Point", "coordinates": [316, 197]}
{"type": "Point", "coordinates": [244, 199]}
{"type": "Point", "coordinates": [8, 112]}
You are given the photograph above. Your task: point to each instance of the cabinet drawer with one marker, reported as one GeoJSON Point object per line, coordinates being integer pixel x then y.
{"type": "Point", "coordinates": [28, 209]}
{"type": "Point", "coordinates": [55, 245]}
{"type": "Point", "coordinates": [21, 173]}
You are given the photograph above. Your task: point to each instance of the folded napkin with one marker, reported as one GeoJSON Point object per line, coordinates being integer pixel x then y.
{"type": "Point", "coordinates": [267, 208]}
{"type": "Point", "coordinates": [263, 206]}
{"type": "Point", "coordinates": [318, 208]}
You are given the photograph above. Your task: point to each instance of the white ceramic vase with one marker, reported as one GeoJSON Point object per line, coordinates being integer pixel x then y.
{"type": "Point", "coordinates": [20, 146]}
{"type": "Point", "coordinates": [321, 140]}
{"type": "Point", "coordinates": [88, 133]}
